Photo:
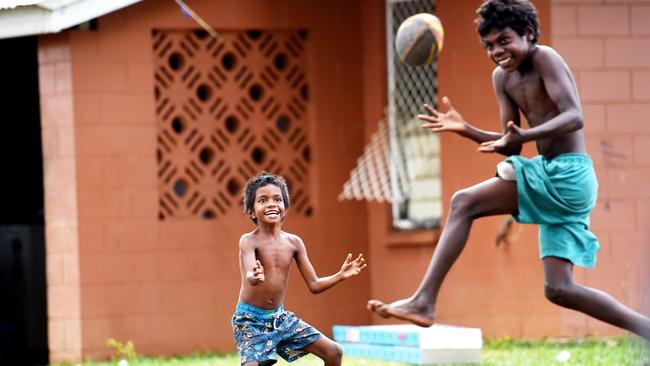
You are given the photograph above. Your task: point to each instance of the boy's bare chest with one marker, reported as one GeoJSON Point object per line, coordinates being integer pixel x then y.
{"type": "Point", "coordinates": [527, 91]}
{"type": "Point", "coordinates": [275, 255]}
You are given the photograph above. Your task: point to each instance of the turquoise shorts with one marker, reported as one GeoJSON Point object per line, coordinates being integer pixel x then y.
{"type": "Point", "coordinates": [261, 333]}
{"type": "Point", "coordinates": [558, 194]}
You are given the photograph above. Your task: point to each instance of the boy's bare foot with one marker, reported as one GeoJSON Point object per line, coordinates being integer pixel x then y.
{"type": "Point", "coordinates": [402, 309]}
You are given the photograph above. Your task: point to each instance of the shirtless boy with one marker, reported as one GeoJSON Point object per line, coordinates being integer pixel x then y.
{"type": "Point", "coordinates": [261, 326]}
{"type": "Point", "coordinates": [556, 189]}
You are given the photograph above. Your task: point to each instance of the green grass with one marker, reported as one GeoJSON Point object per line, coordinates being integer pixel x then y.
{"type": "Point", "coordinates": [503, 352]}
{"type": "Point", "coordinates": [614, 352]}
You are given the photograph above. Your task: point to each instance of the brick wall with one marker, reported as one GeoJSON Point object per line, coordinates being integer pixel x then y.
{"type": "Point", "coordinates": [607, 46]}
{"type": "Point", "coordinates": [115, 270]}
{"type": "Point", "coordinates": [60, 185]}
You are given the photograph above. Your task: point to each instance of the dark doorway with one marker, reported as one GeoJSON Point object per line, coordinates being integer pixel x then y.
{"type": "Point", "coordinates": [23, 310]}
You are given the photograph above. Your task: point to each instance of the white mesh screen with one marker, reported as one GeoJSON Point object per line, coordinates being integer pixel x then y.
{"type": "Point", "coordinates": [410, 87]}
{"type": "Point", "coordinates": [400, 164]}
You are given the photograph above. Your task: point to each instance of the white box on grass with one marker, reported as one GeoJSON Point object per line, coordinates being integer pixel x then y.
{"type": "Point", "coordinates": [438, 344]}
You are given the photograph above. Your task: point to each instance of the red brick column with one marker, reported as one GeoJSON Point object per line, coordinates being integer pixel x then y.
{"type": "Point", "coordinates": [61, 217]}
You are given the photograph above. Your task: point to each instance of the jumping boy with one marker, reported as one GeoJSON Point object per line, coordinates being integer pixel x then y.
{"type": "Point", "coordinates": [556, 190]}
{"type": "Point", "coordinates": [260, 324]}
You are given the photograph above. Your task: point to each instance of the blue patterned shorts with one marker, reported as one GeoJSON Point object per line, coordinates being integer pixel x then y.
{"type": "Point", "coordinates": [261, 333]}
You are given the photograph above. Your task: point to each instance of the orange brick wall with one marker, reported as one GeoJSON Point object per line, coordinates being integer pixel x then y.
{"type": "Point", "coordinates": [60, 187]}
{"type": "Point", "coordinates": [607, 45]}
{"type": "Point", "coordinates": [114, 269]}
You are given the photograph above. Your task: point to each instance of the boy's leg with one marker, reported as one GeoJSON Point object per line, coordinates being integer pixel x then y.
{"type": "Point", "coordinates": [494, 196]}
{"type": "Point", "coordinates": [327, 350]}
{"type": "Point", "coordinates": [560, 289]}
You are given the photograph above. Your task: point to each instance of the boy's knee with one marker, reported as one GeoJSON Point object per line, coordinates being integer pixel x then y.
{"type": "Point", "coordinates": [463, 202]}
{"type": "Point", "coordinates": [460, 200]}
{"type": "Point", "coordinates": [335, 352]}
{"type": "Point", "coordinates": [559, 294]}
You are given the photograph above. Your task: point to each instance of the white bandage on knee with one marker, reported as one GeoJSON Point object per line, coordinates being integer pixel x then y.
{"type": "Point", "coordinates": [506, 171]}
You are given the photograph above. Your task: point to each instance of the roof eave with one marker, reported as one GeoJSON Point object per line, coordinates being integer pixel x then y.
{"type": "Point", "coordinates": [35, 19]}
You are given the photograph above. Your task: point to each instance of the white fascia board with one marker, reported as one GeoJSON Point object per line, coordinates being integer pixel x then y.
{"type": "Point", "coordinates": [23, 21]}
{"type": "Point", "coordinates": [37, 19]}
{"type": "Point", "coordinates": [10, 4]}
{"type": "Point", "coordinates": [55, 4]}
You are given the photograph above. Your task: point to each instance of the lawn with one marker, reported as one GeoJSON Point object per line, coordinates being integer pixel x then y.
{"type": "Point", "coordinates": [592, 352]}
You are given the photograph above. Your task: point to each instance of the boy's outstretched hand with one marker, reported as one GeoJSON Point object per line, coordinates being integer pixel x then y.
{"type": "Point", "coordinates": [510, 138]}
{"type": "Point", "coordinates": [440, 122]}
{"type": "Point", "coordinates": [257, 274]}
{"type": "Point", "coordinates": [352, 267]}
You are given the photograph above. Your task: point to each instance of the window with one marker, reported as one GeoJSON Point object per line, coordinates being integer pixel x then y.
{"type": "Point", "coordinates": [414, 153]}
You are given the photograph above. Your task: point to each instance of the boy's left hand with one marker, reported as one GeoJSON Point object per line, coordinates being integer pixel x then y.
{"type": "Point", "coordinates": [352, 267]}
{"type": "Point", "coordinates": [510, 138]}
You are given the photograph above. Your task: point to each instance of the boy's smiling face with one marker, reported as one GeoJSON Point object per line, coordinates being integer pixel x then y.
{"type": "Point", "coordinates": [269, 205]}
{"type": "Point", "coordinates": [506, 48]}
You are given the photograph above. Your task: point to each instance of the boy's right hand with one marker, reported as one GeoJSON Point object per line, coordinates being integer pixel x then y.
{"type": "Point", "coordinates": [440, 122]}
{"type": "Point", "coordinates": [256, 275]}
{"type": "Point", "coordinates": [512, 137]}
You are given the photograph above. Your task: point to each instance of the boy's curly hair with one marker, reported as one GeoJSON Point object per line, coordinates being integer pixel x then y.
{"type": "Point", "coordinates": [499, 14]}
{"type": "Point", "coordinates": [261, 180]}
